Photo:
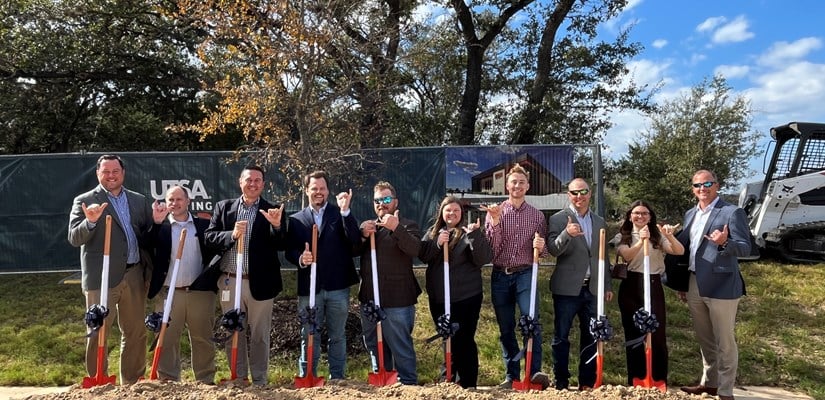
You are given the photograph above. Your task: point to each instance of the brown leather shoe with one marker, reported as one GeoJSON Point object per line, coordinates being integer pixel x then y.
{"type": "Point", "coordinates": [699, 389]}
{"type": "Point", "coordinates": [726, 397]}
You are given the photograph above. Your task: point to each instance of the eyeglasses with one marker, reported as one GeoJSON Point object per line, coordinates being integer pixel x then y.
{"type": "Point", "coordinates": [383, 200]}
{"type": "Point", "coordinates": [705, 184]}
{"type": "Point", "coordinates": [582, 192]}
{"type": "Point", "coordinates": [640, 213]}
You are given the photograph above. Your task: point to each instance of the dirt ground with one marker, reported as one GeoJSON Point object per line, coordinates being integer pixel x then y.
{"type": "Point", "coordinates": [344, 390]}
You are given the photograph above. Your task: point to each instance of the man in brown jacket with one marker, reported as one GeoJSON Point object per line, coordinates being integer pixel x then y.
{"type": "Point", "coordinates": [397, 241]}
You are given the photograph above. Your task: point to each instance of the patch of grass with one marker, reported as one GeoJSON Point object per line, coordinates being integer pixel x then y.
{"type": "Point", "coordinates": [780, 332]}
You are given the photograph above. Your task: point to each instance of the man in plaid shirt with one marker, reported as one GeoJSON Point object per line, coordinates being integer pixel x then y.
{"type": "Point", "coordinates": [514, 229]}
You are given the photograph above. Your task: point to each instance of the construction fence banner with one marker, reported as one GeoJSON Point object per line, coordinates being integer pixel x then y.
{"type": "Point", "coordinates": [36, 191]}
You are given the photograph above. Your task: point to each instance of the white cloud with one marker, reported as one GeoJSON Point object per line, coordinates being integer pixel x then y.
{"type": "Point", "coordinates": [781, 53]}
{"type": "Point", "coordinates": [732, 71]}
{"type": "Point", "coordinates": [659, 43]}
{"type": "Point", "coordinates": [735, 31]}
{"type": "Point", "coordinates": [710, 24]}
{"type": "Point", "coordinates": [796, 92]}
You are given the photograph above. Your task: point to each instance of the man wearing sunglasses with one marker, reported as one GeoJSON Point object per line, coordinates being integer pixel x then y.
{"type": "Point", "coordinates": [716, 234]}
{"type": "Point", "coordinates": [573, 238]}
{"type": "Point", "coordinates": [337, 236]}
{"type": "Point", "coordinates": [397, 241]}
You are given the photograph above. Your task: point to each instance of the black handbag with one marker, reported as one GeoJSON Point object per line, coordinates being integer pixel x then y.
{"type": "Point", "coordinates": [618, 270]}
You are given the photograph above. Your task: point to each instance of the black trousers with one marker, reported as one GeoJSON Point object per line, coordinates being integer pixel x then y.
{"type": "Point", "coordinates": [631, 298]}
{"type": "Point", "coordinates": [463, 343]}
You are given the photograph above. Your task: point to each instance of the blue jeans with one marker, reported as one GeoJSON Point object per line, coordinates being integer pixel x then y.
{"type": "Point", "coordinates": [566, 308]}
{"type": "Point", "coordinates": [399, 352]}
{"type": "Point", "coordinates": [333, 309]}
{"type": "Point", "coordinates": [506, 291]}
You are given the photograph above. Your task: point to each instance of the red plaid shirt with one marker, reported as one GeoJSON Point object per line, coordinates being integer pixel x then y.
{"type": "Point", "coordinates": [512, 238]}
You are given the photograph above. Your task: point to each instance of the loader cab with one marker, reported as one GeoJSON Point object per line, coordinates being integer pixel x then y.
{"type": "Point", "coordinates": [799, 150]}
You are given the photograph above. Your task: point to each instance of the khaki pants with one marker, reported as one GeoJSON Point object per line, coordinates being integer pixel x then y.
{"type": "Point", "coordinates": [253, 357]}
{"type": "Point", "coordinates": [714, 321]}
{"type": "Point", "coordinates": [127, 301]}
{"type": "Point", "coordinates": [195, 311]}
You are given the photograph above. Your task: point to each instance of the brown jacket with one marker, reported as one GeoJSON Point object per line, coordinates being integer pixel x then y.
{"type": "Point", "coordinates": [395, 252]}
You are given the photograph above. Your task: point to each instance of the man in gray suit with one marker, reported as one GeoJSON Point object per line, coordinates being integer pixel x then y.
{"type": "Point", "coordinates": [132, 217]}
{"type": "Point", "coordinates": [716, 234]}
{"type": "Point", "coordinates": [573, 238]}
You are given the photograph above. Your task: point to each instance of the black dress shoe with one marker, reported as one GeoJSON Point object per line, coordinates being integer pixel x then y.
{"type": "Point", "coordinates": [699, 389]}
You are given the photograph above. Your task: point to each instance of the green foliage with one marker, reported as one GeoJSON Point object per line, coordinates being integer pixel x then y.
{"type": "Point", "coordinates": [95, 75]}
{"type": "Point", "coordinates": [707, 128]}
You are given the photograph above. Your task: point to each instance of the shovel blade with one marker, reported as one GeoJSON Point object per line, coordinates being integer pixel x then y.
{"type": "Point", "coordinates": [648, 382]}
{"type": "Point", "coordinates": [522, 385]}
{"type": "Point", "coordinates": [98, 380]}
{"type": "Point", "coordinates": [308, 381]}
{"type": "Point", "coordinates": [382, 378]}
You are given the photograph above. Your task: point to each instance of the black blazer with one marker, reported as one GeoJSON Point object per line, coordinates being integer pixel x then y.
{"type": "Point", "coordinates": [162, 255]}
{"type": "Point", "coordinates": [264, 243]}
{"type": "Point", "coordinates": [337, 238]}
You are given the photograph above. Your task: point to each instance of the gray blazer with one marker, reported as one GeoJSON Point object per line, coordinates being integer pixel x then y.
{"type": "Point", "coordinates": [717, 269]}
{"type": "Point", "coordinates": [573, 256]}
{"type": "Point", "coordinates": [91, 241]}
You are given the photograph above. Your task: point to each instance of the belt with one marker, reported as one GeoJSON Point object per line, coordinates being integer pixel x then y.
{"type": "Point", "coordinates": [233, 275]}
{"type": "Point", "coordinates": [513, 269]}
{"type": "Point", "coordinates": [586, 282]}
{"type": "Point", "coordinates": [186, 288]}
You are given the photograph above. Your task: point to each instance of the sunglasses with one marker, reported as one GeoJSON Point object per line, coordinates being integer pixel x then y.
{"type": "Point", "coordinates": [705, 184]}
{"type": "Point", "coordinates": [582, 192]}
{"type": "Point", "coordinates": [383, 200]}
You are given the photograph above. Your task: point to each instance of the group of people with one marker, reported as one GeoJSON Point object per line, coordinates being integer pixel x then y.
{"type": "Point", "coordinates": [145, 236]}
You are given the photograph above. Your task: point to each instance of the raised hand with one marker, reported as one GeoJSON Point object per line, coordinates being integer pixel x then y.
{"type": "Point", "coordinates": [344, 199]}
{"type": "Point", "coordinates": [473, 226]}
{"type": "Point", "coordinates": [273, 215]}
{"type": "Point", "coordinates": [159, 211]}
{"type": "Point", "coordinates": [93, 211]}
{"type": "Point", "coordinates": [389, 221]}
{"type": "Point", "coordinates": [668, 230]}
{"type": "Point", "coordinates": [494, 211]}
{"type": "Point", "coordinates": [573, 229]}
{"type": "Point", "coordinates": [719, 237]}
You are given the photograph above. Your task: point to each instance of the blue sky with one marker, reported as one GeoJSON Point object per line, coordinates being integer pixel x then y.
{"type": "Point", "coordinates": [771, 53]}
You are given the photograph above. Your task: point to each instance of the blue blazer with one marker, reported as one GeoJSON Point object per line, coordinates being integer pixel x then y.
{"type": "Point", "coordinates": [717, 269]}
{"type": "Point", "coordinates": [337, 238]}
{"type": "Point", "coordinates": [264, 266]}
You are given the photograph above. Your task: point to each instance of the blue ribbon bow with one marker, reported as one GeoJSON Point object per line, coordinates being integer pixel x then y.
{"type": "Point", "coordinates": [94, 317]}
{"type": "Point", "coordinates": [646, 322]}
{"type": "Point", "coordinates": [307, 316]}
{"type": "Point", "coordinates": [372, 312]}
{"type": "Point", "coordinates": [154, 321]}
{"type": "Point", "coordinates": [600, 328]}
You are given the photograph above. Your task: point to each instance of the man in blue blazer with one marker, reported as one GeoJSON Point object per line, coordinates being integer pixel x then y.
{"type": "Point", "coordinates": [263, 227]}
{"type": "Point", "coordinates": [338, 234]}
{"type": "Point", "coordinates": [716, 234]}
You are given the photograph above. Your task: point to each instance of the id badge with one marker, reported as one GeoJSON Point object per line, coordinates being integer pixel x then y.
{"type": "Point", "coordinates": [224, 295]}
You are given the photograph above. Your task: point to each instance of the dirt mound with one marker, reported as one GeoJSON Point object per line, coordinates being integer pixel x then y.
{"type": "Point", "coordinates": [344, 390]}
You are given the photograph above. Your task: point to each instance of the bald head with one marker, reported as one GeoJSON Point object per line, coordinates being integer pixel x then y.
{"type": "Point", "coordinates": [177, 201]}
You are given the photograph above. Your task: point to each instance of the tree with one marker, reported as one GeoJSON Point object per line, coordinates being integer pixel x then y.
{"type": "Point", "coordinates": [577, 80]}
{"type": "Point", "coordinates": [307, 83]}
{"type": "Point", "coordinates": [96, 75]}
{"type": "Point", "coordinates": [707, 128]}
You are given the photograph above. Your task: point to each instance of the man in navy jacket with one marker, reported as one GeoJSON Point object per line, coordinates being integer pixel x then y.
{"type": "Point", "coordinates": [338, 233]}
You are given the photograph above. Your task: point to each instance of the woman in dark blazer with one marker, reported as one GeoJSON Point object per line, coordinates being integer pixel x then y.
{"type": "Point", "coordinates": [469, 251]}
